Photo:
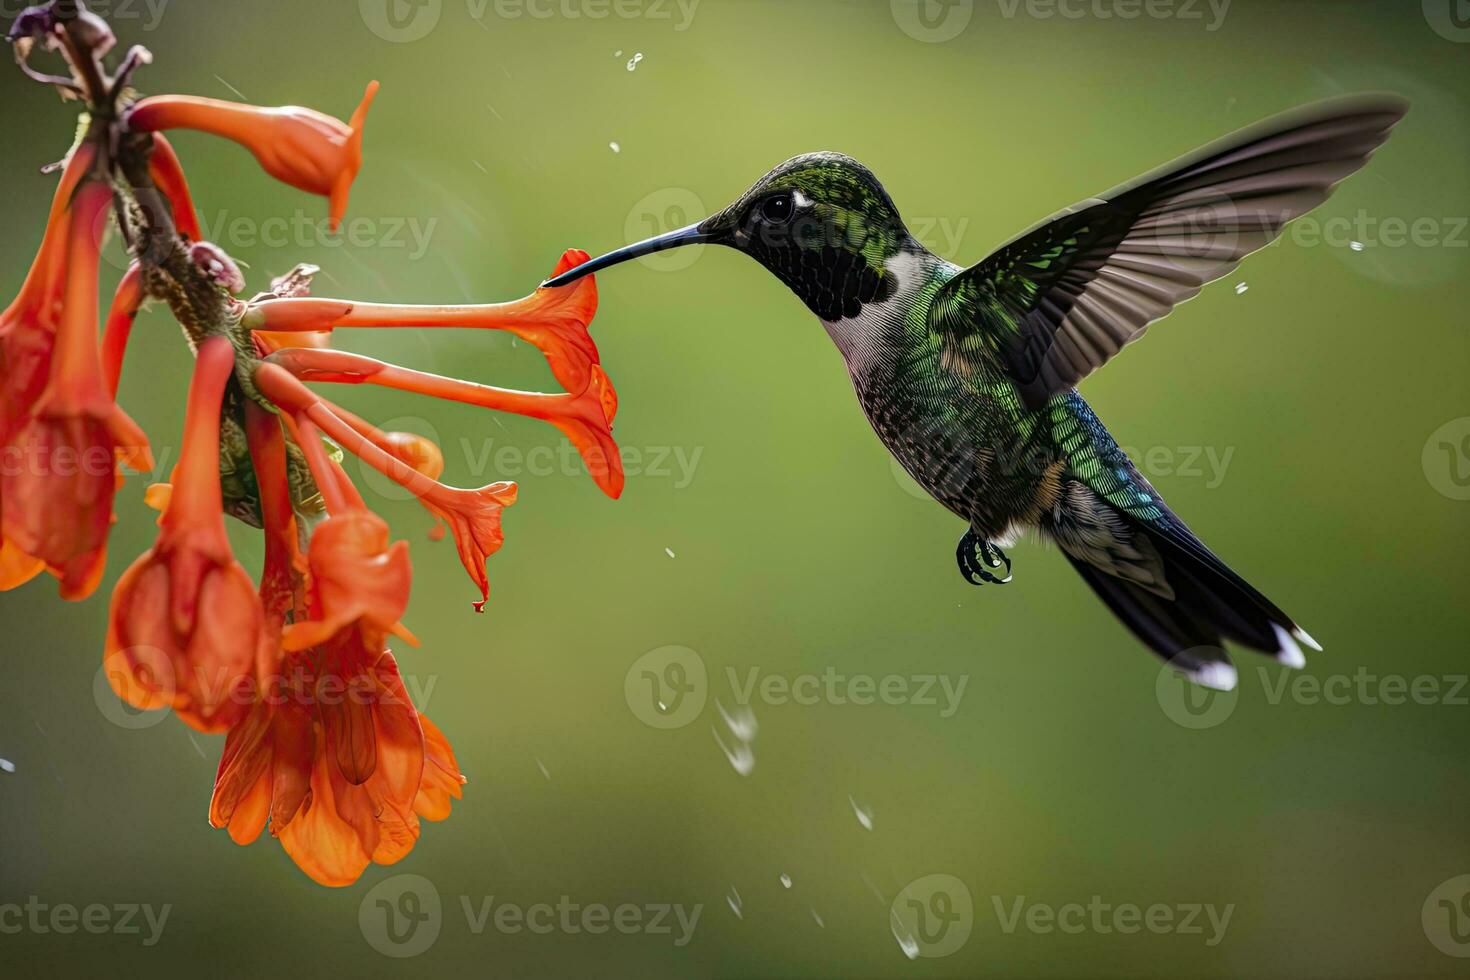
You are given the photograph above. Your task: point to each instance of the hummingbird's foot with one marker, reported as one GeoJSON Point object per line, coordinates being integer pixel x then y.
{"type": "Point", "coordinates": [977, 557]}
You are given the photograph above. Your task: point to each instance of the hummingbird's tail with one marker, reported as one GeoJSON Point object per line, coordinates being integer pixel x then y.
{"type": "Point", "coordinates": [1175, 595]}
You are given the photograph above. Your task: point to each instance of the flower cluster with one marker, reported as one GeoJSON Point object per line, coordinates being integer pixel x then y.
{"type": "Point", "coordinates": [323, 744]}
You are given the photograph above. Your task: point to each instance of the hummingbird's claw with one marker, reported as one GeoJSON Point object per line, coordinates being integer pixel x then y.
{"type": "Point", "coordinates": [976, 556]}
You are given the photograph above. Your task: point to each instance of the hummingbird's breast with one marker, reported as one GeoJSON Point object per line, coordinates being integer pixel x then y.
{"type": "Point", "coordinates": [952, 434]}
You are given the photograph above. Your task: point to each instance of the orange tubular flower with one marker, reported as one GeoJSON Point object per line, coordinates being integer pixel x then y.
{"type": "Point", "coordinates": [585, 419]}
{"type": "Point", "coordinates": [322, 743]}
{"type": "Point", "coordinates": [472, 515]}
{"type": "Point", "coordinates": [125, 305]}
{"type": "Point", "coordinates": [339, 762]}
{"type": "Point", "coordinates": [304, 148]}
{"type": "Point", "coordinates": [28, 335]}
{"type": "Point", "coordinates": [28, 327]}
{"type": "Point", "coordinates": [554, 320]}
{"type": "Point", "coordinates": [60, 474]}
{"type": "Point", "coordinates": [333, 755]}
{"type": "Point", "coordinates": [168, 174]}
{"type": "Point", "coordinates": [185, 625]}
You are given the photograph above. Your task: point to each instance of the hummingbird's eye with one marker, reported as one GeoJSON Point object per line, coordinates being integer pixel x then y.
{"type": "Point", "coordinates": [779, 208]}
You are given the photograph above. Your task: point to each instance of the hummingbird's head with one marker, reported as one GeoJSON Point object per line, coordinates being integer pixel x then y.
{"type": "Point", "coordinates": [820, 222]}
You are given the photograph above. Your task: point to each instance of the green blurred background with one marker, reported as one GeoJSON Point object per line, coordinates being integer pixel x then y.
{"type": "Point", "coordinates": [1312, 427]}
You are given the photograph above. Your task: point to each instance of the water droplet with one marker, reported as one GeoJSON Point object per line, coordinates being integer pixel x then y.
{"type": "Point", "coordinates": [906, 941]}
{"type": "Point", "coordinates": [1355, 246]}
{"type": "Point", "coordinates": [864, 814]}
{"type": "Point", "coordinates": [6, 765]}
{"type": "Point", "coordinates": [785, 881]}
{"type": "Point", "coordinates": [743, 727]}
{"type": "Point", "coordinates": [742, 723]}
{"type": "Point", "coordinates": [618, 53]}
{"type": "Point", "coordinates": [615, 147]}
{"type": "Point", "coordinates": [818, 920]}
{"type": "Point", "coordinates": [670, 552]}
{"type": "Point", "coordinates": [633, 64]}
{"type": "Point", "coordinates": [1240, 287]}
{"type": "Point", "coordinates": [542, 766]}
{"type": "Point", "coordinates": [736, 905]}
{"type": "Point", "coordinates": [741, 757]}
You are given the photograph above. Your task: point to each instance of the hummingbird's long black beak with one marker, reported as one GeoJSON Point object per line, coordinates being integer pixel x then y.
{"type": "Point", "coordinates": [684, 236]}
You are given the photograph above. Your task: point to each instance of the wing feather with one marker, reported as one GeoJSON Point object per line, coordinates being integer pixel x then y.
{"type": "Point", "coordinates": [1061, 300]}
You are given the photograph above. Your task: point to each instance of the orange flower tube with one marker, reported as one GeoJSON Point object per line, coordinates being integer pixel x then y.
{"type": "Point", "coordinates": [554, 320]}
{"type": "Point", "coordinates": [185, 624]}
{"type": "Point", "coordinates": [304, 148]}
{"type": "Point", "coordinates": [126, 302]}
{"type": "Point", "coordinates": [585, 419]}
{"type": "Point", "coordinates": [60, 472]}
{"type": "Point", "coordinates": [472, 515]}
{"type": "Point", "coordinates": [28, 336]}
{"type": "Point", "coordinates": [168, 174]}
{"type": "Point", "coordinates": [333, 755]}
{"type": "Point", "coordinates": [28, 326]}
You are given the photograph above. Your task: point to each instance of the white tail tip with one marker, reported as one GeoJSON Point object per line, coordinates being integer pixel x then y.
{"type": "Point", "coordinates": [1306, 638]}
{"type": "Point", "coordinates": [1287, 652]}
{"type": "Point", "coordinates": [1217, 676]}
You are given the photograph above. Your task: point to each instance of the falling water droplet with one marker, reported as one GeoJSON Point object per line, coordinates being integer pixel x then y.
{"type": "Point", "coordinates": [785, 881]}
{"type": "Point", "coordinates": [618, 53]}
{"type": "Point", "coordinates": [742, 723]}
{"type": "Point", "coordinates": [1240, 287]}
{"type": "Point", "coordinates": [818, 920]}
{"type": "Point", "coordinates": [741, 757]}
{"type": "Point", "coordinates": [615, 147]}
{"type": "Point", "coordinates": [743, 727]}
{"type": "Point", "coordinates": [1355, 246]}
{"type": "Point", "coordinates": [542, 766]}
{"type": "Point", "coordinates": [6, 765]}
{"type": "Point", "coordinates": [670, 552]}
{"type": "Point", "coordinates": [633, 64]}
{"type": "Point", "coordinates": [906, 941]}
{"type": "Point", "coordinates": [736, 905]}
{"type": "Point", "coordinates": [864, 814]}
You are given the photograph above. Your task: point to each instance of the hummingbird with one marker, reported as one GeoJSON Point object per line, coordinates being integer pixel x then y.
{"type": "Point", "coordinates": [968, 375]}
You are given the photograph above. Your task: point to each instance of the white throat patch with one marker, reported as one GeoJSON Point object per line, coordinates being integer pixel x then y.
{"type": "Point", "coordinates": [858, 337]}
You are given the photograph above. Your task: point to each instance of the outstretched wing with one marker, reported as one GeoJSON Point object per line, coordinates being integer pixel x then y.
{"type": "Point", "coordinates": [1059, 301]}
